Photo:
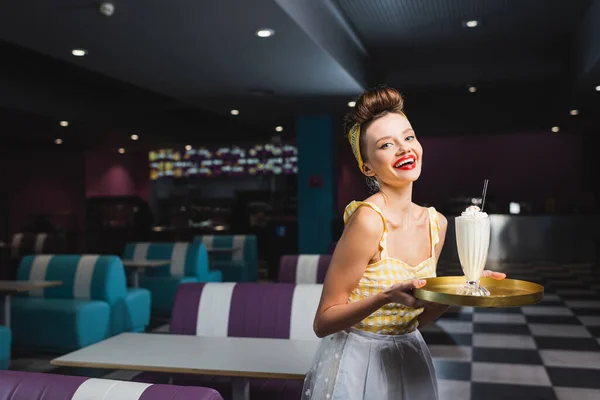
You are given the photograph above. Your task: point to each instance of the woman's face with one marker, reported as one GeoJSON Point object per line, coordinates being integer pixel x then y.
{"type": "Point", "coordinates": [394, 155]}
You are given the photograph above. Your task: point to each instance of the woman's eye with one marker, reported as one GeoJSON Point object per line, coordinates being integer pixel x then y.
{"type": "Point", "coordinates": [409, 138]}
{"type": "Point", "coordinates": [385, 145]}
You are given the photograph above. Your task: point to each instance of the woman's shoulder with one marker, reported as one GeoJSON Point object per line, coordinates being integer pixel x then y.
{"type": "Point", "coordinates": [438, 218]}
{"type": "Point", "coordinates": [364, 214]}
{"type": "Point", "coordinates": [371, 203]}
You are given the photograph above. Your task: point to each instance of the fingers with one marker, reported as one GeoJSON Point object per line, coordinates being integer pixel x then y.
{"type": "Point", "coordinates": [402, 292]}
{"type": "Point", "coordinates": [408, 286]}
{"type": "Point", "coordinates": [419, 282]}
{"type": "Point", "coordinates": [494, 275]}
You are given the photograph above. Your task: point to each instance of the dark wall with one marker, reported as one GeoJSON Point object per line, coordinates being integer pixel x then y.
{"type": "Point", "coordinates": [57, 182]}
{"type": "Point", "coordinates": [50, 182]}
{"type": "Point", "coordinates": [530, 167]}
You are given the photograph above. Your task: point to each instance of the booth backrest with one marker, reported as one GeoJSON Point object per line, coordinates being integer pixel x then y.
{"type": "Point", "coordinates": [84, 277]}
{"type": "Point", "coordinates": [16, 385]}
{"type": "Point", "coordinates": [186, 258]}
{"type": "Point", "coordinates": [245, 247]}
{"type": "Point", "coordinates": [304, 268]}
{"type": "Point", "coordinates": [27, 243]}
{"type": "Point", "coordinates": [261, 310]}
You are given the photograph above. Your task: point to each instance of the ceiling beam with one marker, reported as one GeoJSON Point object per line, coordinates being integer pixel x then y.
{"type": "Point", "coordinates": [326, 26]}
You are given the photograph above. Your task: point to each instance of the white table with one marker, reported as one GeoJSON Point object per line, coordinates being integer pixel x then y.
{"type": "Point", "coordinates": [238, 357]}
{"type": "Point", "coordinates": [139, 265]}
{"type": "Point", "coordinates": [8, 288]}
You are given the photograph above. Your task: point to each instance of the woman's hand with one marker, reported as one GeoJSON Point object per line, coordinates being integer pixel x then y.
{"type": "Point", "coordinates": [493, 275]}
{"type": "Point", "coordinates": [402, 293]}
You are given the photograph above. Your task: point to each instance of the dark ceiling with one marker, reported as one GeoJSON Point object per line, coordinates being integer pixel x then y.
{"type": "Point", "coordinates": [171, 71]}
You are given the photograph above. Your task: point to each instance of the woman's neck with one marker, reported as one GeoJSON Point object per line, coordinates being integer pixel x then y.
{"type": "Point", "coordinates": [398, 201]}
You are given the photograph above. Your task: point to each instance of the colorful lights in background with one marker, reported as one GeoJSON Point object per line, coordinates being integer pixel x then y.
{"type": "Point", "coordinates": [260, 159]}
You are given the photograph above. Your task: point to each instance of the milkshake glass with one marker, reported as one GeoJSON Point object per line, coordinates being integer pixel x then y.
{"type": "Point", "coordinates": [473, 241]}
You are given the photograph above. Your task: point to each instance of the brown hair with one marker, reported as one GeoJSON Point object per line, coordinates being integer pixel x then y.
{"type": "Point", "coordinates": [373, 104]}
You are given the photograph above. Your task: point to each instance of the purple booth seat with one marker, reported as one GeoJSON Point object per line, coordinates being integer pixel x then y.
{"type": "Point", "coordinates": [304, 268]}
{"type": "Point", "coordinates": [17, 385]}
{"type": "Point", "coordinates": [260, 310]}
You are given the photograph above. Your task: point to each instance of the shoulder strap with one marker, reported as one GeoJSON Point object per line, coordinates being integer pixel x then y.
{"type": "Point", "coordinates": [353, 206]}
{"type": "Point", "coordinates": [434, 227]}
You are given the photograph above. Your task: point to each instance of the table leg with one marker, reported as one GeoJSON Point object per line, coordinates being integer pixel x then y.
{"type": "Point", "coordinates": [596, 266]}
{"type": "Point", "coordinates": [241, 389]}
{"type": "Point", "coordinates": [5, 310]}
{"type": "Point", "coordinates": [135, 278]}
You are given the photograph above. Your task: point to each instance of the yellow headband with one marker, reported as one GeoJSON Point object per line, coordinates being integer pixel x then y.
{"type": "Point", "coordinates": [354, 139]}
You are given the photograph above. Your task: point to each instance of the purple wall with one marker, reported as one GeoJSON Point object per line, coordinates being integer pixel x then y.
{"type": "Point", "coordinates": [43, 182]}
{"type": "Point", "coordinates": [58, 181]}
{"type": "Point", "coordinates": [110, 174]}
{"type": "Point", "coordinates": [521, 167]}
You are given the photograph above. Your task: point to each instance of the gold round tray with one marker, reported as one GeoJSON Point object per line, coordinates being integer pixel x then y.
{"type": "Point", "coordinates": [503, 293]}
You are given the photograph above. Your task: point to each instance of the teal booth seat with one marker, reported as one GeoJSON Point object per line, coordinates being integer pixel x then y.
{"type": "Point", "coordinates": [188, 263]}
{"type": "Point", "coordinates": [92, 304]}
{"type": "Point", "coordinates": [239, 265]}
{"type": "Point", "coordinates": [5, 343]}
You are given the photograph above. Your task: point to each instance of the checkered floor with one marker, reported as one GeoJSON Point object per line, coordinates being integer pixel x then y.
{"type": "Point", "coordinates": [546, 351]}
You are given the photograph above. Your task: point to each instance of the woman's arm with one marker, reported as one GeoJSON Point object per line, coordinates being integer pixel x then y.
{"type": "Point", "coordinates": [355, 249]}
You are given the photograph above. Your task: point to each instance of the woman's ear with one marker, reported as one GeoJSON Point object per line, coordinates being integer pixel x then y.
{"type": "Point", "coordinates": [367, 170]}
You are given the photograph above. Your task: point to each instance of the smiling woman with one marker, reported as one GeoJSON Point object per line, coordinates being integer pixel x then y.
{"type": "Point", "coordinates": [389, 246]}
{"type": "Point", "coordinates": [367, 304]}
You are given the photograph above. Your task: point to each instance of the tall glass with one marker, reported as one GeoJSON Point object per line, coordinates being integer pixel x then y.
{"type": "Point", "coordinates": [473, 242]}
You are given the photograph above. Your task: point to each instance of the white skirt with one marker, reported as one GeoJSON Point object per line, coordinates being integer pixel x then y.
{"type": "Point", "coordinates": [359, 365]}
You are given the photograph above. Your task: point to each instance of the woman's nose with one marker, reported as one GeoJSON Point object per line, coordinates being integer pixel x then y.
{"type": "Point", "coordinates": [403, 147]}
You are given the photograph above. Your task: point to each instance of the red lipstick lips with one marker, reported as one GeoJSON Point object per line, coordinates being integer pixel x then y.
{"type": "Point", "coordinates": [406, 163]}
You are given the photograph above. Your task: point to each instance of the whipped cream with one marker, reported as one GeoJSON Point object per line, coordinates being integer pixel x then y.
{"type": "Point", "coordinates": [474, 212]}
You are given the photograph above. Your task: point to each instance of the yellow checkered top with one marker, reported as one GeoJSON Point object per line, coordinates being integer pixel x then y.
{"type": "Point", "coordinates": [393, 318]}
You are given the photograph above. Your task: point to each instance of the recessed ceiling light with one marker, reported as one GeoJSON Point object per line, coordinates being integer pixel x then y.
{"type": "Point", "coordinates": [279, 128]}
{"type": "Point", "coordinates": [265, 33]}
{"type": "Point", "coordinates": [555, 129]}
{"type": "Point", "coordinates": [121, 150]}
{"type": "Point", "coordinates": [79, 52]}
{"type": "Point", "coordinates": [472, 23]}
{"type": "Point", "coordinates": [64, 123]}
{"type": "Point", "coordinates": [134, 137]}
{"type": "Point", "coordinates": [58, 141]}
{"type": "Point", "coordinates": [598, 88]}
{"type": "Point", "coordinates": [351, 103]}
{"type": "Point", "coordinates": [472, 89]}
{"type": "Point", "coordinates": [235, 112]}
{"type": "Point", "coordinates": [188, 147]}
{"type": "Point", "coordinates": [574, 112]}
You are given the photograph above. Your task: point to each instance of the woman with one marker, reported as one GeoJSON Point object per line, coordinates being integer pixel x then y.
{"type": "Point", "coordinates": [388, 247]}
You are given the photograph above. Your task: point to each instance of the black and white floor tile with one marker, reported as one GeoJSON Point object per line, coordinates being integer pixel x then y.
{"type": "Point", "coordinates": [550, 350]}
{"type": "Point", "coordinates": [546, 351]}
